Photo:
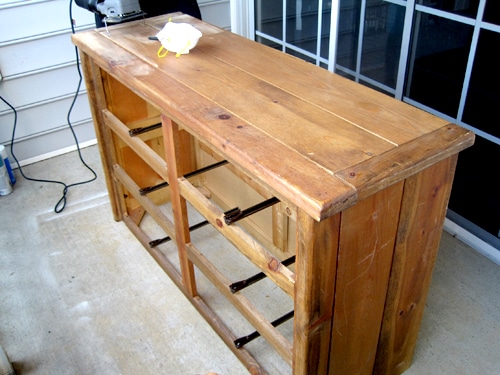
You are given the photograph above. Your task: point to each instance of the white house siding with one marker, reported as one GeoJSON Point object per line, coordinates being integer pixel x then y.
{"type": "Point", "coordinates": [216, 12]}
{"type": "Point", "coordinates": [40, 77]}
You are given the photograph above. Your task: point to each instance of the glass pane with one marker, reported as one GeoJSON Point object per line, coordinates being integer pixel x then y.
{"type": "Point", "coordinates": [466, 8]}
{"type": "Point", "coordinates": [269, 43]}
{"type": "Point", "coordinates": [269, 17]}
{"type": "Point", "coordinates": [472, 197]}
{"type": "Point", "coordinates": [302, 24]}
{"type": "Point", "coordinates": [325, 29]}
{"type": "Point", "coordinates": [492, 12]}
{"type": "Point", "coordinates": [483, 98]}
{"type": "Point", "coordinates": [347, 39]}
{"type": "Point", "coordinates": [300, 55]}
{"type": "Point", "coordinates": [437, 65]}
{"type": "Point", "coordinates": [382, 41]}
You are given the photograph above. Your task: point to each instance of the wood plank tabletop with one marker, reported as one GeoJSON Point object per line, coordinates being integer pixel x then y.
{"type": "Point", "coordinates": [318, 140]}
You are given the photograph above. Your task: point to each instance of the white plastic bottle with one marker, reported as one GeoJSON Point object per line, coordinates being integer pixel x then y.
{"type": "Point", "coordinates": [5, 185]}
{"type": "Point", "coordinates": [5, 158]}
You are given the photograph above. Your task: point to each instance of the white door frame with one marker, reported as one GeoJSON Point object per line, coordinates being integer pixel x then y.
{"type": "Point", "coordinates": [242, 15]}
{"type": "Point", "coordinates": [242, 23]}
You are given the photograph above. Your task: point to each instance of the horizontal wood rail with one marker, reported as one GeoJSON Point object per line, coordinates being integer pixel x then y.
{"type": "Point", "coordinates": [141, 149]}
{"type": "Point", "coordinates": [166, 224]}
{"type": "Point", "coordinates": [242, 304]}
{"type": "Point", "coordinates": [246, 244]}
{"type": "Point", "coordinates": [150, 189]}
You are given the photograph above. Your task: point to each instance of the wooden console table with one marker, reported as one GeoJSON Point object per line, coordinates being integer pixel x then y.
{"type": "Point", "coordinates": [355, 186]}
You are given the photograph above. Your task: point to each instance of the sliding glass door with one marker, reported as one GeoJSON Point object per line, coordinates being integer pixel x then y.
{"type": "Point", "coordinates": [369, 42]}
{"type": "Point", "coordinates": [298, 27]}
{"type": "Point", "coordinates": [438, 55]}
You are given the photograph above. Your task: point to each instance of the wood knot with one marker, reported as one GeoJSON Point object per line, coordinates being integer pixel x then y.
{"type": "Point", "coordinates": [273, 264]}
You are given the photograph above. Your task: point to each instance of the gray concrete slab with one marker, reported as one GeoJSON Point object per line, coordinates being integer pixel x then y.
{"type": "Point", "coordinates": [80, 295]}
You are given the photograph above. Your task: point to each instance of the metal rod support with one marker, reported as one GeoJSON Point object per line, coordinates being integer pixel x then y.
{"type": "Point", "coordinates": [137, 131]}
{"type": "Point", "coordinates": [162, 185]}
{"type": "Point", "coordinates": [236, 214]}
{"type": "Point", "coordinates": [240, 342]}
{"type": "Point", "coordinates": [150, 189]}
{"type": "Point", "coordinates": [238, 285]}
{"type": "Point", "coordinates": [205, 169]}
{"type": "Point", "coordinates": [166, 239]}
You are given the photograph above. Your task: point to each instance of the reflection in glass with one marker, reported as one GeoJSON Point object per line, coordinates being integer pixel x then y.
{"type": "Point", "coordinates": [478, 202]}
{"type": "Point", "coordinates": [268, 43]}
{"type": "Point", "coordinates": [382, 35]}
{"type": "Point", "coordinates": [300, 55]}
{"type": "Point", "coordinates": [269, 17]}
{"type": "Point", "coordinates": [483, 98]}
{"type": "Point", "coordinates": [325, 30]}
{"type": "Point", "coordinates": [302, 24]}
{"type": "Point", "coordinates": [382, 42]}
{"type": "Point", "coordinates": [348, 34]}
{"type": "Point", "coordinates": [437, 64]}
{"type": "Point", "coordinates": [467, 8]}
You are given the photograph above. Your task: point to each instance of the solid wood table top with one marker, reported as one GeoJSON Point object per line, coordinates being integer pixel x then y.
{"type": "Point", "coordinates": [316, 139]}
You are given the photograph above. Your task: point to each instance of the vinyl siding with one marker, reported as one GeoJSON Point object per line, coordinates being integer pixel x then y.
{"type": "Point", "coordinates": [40, 77]}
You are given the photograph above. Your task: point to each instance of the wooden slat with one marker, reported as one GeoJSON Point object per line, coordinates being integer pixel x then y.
{"type": "Point", "coordinates": [244, 306]}
{"type": "Point", "coordinates": [141, 149]}
{"type": "Point", "coordinates": [375, 174]}
{"type": "Point", "coordinates": [247, 245]}
{"type": "Point", "coordinates": [253, 367]}
{"type": "Point", "coordinates": [255, 185]}
{"type": "Point", "coordinates": [215, 322]}
{"type": "Point", "coordinates": [423, 211]}
{"type": "Point", "coordinates": [367, 236]}
{"type": "Point", "coordinates": [229, 187]}
{"type": "Point", "coordinates": [161, 219]}
{"type": "Point", "coordinates": [316, 269]}
{"type": "Point", "coordinates": [142, 174]}
{"type": "Point", "coordinates": [382, 115]}
{"type": "Point", "coordinates": [155, 253]}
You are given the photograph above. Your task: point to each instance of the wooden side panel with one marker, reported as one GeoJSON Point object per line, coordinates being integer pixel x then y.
{"type": "Point", "coordinates": [366, 248]}
{"type": "Point", "coordinates": [316, 265]}
{"type": "Point", "coordinates": [126, 105]}
{"type": "Point", "coordinates": [139, 171]}
{"type": "Point", "coordinates": [423, 211]}
{"type": "Point", "coordinates": [130, 109]}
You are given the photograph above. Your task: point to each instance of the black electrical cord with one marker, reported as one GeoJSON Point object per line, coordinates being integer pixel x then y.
{"type": "Point", "coordinates": [61, 204]}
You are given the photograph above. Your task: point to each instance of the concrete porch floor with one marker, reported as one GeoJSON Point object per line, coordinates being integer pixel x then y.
{"type": "Point", "coordinates": [80, 295]}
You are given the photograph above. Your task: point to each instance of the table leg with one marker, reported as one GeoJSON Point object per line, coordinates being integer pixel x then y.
{"type": "Point", "coordinates": [316, 265]}
{"type": "Point", "coordinates": [98, 102]}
